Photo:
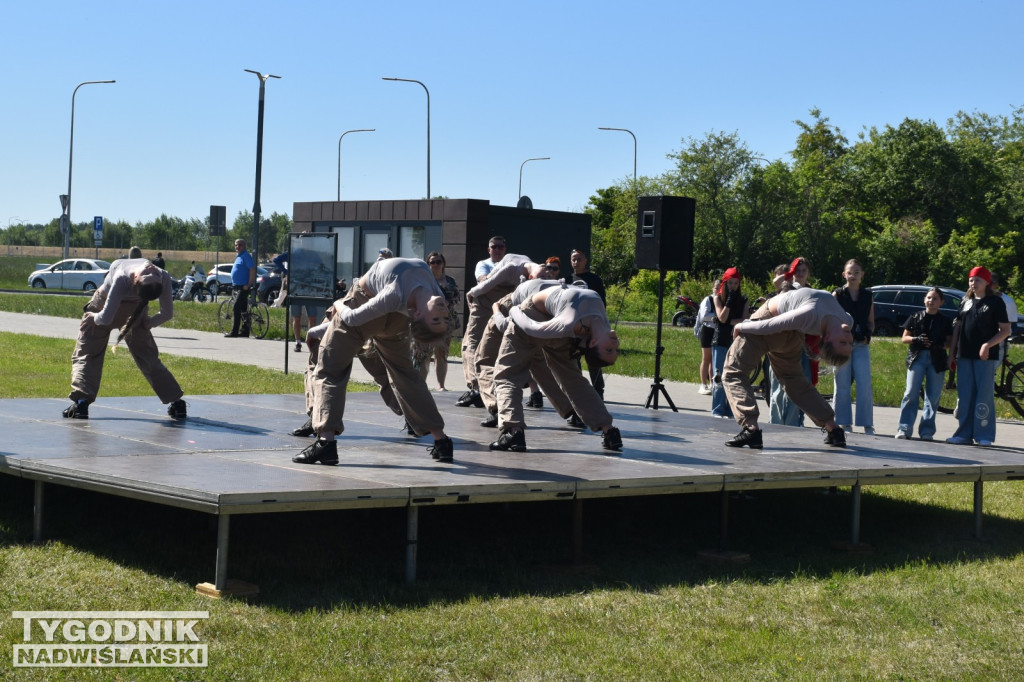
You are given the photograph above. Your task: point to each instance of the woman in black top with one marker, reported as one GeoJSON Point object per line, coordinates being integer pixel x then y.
{"type": "Point", "coordinates": [928, 335]}
{"type": "Point", "coordinates": [981, 326]}
{"type": "Point", "coordinates": [731, 307]}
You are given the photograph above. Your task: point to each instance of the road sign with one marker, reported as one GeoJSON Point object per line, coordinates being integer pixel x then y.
{"type": "Point", "coordinates": [97, 230]}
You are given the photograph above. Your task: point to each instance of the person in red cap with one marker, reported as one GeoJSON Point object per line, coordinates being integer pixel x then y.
{"type": "Point", "coordinates": [981, 325]}
{"type": "Point", "coordinates": [731, 307]}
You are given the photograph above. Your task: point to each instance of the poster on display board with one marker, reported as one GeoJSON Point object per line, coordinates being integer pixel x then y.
{"type": "Point", "coordinates": [312, 268]}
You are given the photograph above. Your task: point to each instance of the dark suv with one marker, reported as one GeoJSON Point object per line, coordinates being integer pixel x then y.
{"type": "Point", "coordinates": [894, 303]}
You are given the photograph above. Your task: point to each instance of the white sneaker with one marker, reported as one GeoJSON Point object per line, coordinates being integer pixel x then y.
{"type": "Point", "coordinates": [869, 430]}
{"type": "Point", "coordinates": [704, 389]}
{"type": "Point", "coordinates": [958, 440]}
{"type": "Point", "coordinates": [986, 443]}
{"type": "Point", "coordinates": [902, 435]}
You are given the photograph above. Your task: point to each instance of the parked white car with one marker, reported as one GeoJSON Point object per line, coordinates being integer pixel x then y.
{"type": "Point", "coordinates": [85, 274]}
{"type": "Point", "coordinates": [218, 280]}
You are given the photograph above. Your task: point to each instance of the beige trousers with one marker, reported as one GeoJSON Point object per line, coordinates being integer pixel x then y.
{"type": "Point", "coordinates": [340, 346]}
{"type": "Point", "coordinates": [91, 349]}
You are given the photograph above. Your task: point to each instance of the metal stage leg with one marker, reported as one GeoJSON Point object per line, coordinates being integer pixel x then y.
{"type": "Point", "coordinates": [723, 541]}
{"type": "Point", "coordinates": [220, 579]}
{"type": "Point", "coordinates": [577, 531]}
{"type": "Point", "coordinates": [979, 493]}
{"type": "Point", "coordinates": [855, 515]}
{"type": "Point", "coordinates": [412, 524]}
{"type": "Point", "coordinates": [37, 513]}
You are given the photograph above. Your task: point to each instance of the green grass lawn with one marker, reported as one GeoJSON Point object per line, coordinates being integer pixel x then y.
{"type": "Point", "coordinates": [498, 598]}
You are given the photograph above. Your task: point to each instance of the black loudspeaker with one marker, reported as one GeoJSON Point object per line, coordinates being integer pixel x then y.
{"type": "Point", "coordinates": [664, 233]}
{"type": "Point", "coordinates": [218, 221]}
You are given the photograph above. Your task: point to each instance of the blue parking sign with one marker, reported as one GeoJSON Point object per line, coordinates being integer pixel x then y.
{"type": "Point", "coordinates": [97, 229]}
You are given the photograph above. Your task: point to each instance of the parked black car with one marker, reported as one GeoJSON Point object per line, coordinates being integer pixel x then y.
{"type": "Point", "coordinates": [894, 303]}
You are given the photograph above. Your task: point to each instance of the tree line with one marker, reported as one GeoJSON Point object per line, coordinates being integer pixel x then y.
{"type": "Point", "coordinates": [163, 234]}
{"type": "Point", "coordinates": [915, 202]}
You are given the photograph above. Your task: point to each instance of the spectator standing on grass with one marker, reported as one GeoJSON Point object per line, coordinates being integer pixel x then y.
{"type": "Point", "coordinates": [580, 271]}
{"type": "Point", "coordinates": [423, 353]}
{"type": "Point", "coordinates": [731, 306]}
{"type": "Point", "coordinates": [314, 313]}
{"type": "Point", "coordinates": [981, 325]}
{"type": "Point", "coordinates": [857, 301]}
{"type": "Point", "coordinates": [704, 330]}
{"type": "Point", "coordinates": [928, 335]}
{"type": "Point", "coordinates": [159, 260]}
{"type": "Point", "coordinates": [243, 276]}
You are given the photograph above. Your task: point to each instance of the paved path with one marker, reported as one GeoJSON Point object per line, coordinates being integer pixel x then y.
{"type": "Point", "coordinates": [271, 354]}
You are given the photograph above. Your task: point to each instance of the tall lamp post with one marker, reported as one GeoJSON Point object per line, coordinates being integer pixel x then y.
{"type": "Point", "coordinates": [539, 158]}
{"type": "Point", "coordinates": [358, 130]}
{"type": "Point", "coordinates": [410, 80]}
{"type": "Point", "coordinates": [624, 130]}
{"type": "Point", "coordinates": [9, 221]}
{"type": "Point", "coordinates": [259, 167]}
{"type": "Point", "coordinates": [66, 217]}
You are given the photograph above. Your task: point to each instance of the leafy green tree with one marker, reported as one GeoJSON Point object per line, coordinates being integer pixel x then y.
{"type": "Point", "coordinates": [825, 228]}
{"type": "Point", "coordinates": [714, 170]}
{"type": "Point", "coordinates": [899, 254]}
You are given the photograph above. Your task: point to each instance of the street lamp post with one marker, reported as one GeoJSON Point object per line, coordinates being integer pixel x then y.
{"type": "Point", "coordinates": [539, 158]}
{"type": "Point", "coordinates": [410, 80]}
{"type": "Point", "coordinates": [357, 130]}
{"type": "Point", "coordinates": [259, 167]}
{"type": "Point", "coordinates": [9, 221]}
{"type": "Point", "coordinates": [624, 130]}
{"type": "Point", "coordinates": [66, 218]}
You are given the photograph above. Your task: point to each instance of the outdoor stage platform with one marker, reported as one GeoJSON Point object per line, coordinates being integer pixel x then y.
{"type": "Point", "coordinates": [233, 456]}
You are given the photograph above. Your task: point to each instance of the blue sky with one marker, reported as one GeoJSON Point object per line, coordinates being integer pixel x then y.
{"type": "Point", "coordinates": [508, 81]}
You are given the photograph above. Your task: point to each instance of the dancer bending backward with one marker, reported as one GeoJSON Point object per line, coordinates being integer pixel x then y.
{"type": "Point", "coordinates": [502, 280]}
{"type": "Point", "coordinates": [558, 322]}
{"type": "Point", "coordinates": [379, 307]}
{"type": "Point", "coordinates": [490, 345]}
{"type": "Point", "coordinates": [778, 329]}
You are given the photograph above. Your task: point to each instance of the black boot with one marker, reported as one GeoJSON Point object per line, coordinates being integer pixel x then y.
{"type": "Point", "coordinates": [320, 452]}
{"type": "Point", "coordinates": [748, 437]}
{"type": "Point", "coordinates": [304, 431]}
{"type": "Point", "coordinates": [508, 441]}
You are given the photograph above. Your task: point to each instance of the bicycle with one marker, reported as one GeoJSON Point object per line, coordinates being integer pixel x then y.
{"type": "Point", "coordinates": [1009, 386]}
{"type": "Point", "coordinates": [258, 313]}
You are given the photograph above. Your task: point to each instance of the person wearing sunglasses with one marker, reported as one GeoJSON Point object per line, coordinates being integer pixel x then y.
{"type": "Point", "coordinates": [475, 326]}
{"type": "Point", "coordinates": [422, 353]}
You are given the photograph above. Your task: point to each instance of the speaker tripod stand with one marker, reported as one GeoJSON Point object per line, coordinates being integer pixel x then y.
{"type": "Point", "coordinates": [657, 387]}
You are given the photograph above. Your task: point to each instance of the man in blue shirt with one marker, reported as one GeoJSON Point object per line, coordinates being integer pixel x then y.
{"type": "Point", "coordinates": [243, 276]}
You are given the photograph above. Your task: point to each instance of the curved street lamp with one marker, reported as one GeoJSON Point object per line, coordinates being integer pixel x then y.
{"type": "Point", "coordinates": [624, 130]}
{"type": "Point", "coordinates": [539, 158]}
{"type": "Point", "coordinates": [410, 80]}
{"type": "Point", "coordinates": [357, 130]}
{"type": "Point", "coordinates": [259, 167]}
{"type": "Point", "coordinates": [71, 155]}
